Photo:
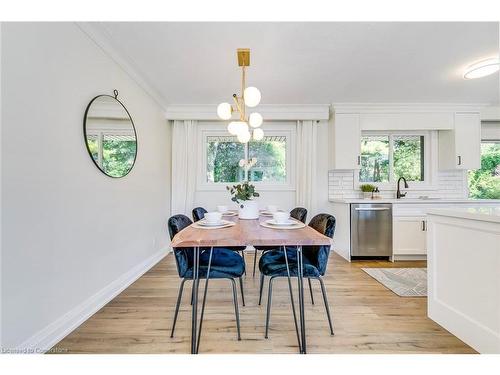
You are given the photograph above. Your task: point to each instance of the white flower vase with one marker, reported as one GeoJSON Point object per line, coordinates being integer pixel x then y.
{"type": "Point", "coordinates": [248, 210]}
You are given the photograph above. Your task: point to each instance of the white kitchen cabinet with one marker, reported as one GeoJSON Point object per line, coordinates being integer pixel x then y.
{"type": "Point", "coordinates": [345, 141]}
{"type": "Point", "coordinates": [460, 148]}
{"type": "Point", "coordinates": [409, 235]}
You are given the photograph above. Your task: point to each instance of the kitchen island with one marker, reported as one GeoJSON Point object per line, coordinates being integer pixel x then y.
{"type": "Point", "coordinates": [463, 254]}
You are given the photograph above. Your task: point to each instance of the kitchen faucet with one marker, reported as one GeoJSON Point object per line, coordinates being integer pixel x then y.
{"type": "Point", "coordinates": [400, 195]}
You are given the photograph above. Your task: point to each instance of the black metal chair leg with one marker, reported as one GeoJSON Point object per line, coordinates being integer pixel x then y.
{"type": "Point", "coordinates": [311, 290]}
{"type": "Point", "coordinates": [236, 311]}
{"type": "Point", "coordinates": [325, 299]}
{"type": "Point", "coordinates": [192, 296]}
{"type": "Point", "coordinates": [242, 293]}
{"type": "Point", "coordinates": [179, 298]}
{"type": "Point", "coordinates": [254, 263]}
{"type": "Point", "coordinates": [269, 299]}
{"type": "Point", "coordinates": [261, 287]}
{"type": "Point", "coordinates": [244, 261]}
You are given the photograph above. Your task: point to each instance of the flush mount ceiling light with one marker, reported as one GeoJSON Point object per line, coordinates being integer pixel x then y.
{"type": "Point", "coordinates": [482, 68]}
{"type": "Point", "coordinates": [250, 97]}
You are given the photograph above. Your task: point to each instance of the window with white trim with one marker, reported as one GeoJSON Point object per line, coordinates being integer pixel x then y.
{"type": "Point", "coordinates": [387, 156]}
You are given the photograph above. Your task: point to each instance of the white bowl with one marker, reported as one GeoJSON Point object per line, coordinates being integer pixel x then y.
{"type": "Point", "coordinates": [213, 217]}
{"type": "Point", "coordinates": [222, 209]}
{"type": "Point", "coordinates": [281, 217]}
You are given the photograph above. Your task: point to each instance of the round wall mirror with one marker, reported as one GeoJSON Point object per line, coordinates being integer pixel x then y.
{"type": "Point", "coordinates": [110, 135]}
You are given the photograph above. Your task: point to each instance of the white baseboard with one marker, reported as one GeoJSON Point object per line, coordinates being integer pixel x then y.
{"type": "Point", "coordinates": [46, 338]}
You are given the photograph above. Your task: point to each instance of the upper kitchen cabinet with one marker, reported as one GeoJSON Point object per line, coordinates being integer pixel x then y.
{"type": "Point", "coordinates": [460, 148]}
{"type": "Point", "coordinates": [345, 141]}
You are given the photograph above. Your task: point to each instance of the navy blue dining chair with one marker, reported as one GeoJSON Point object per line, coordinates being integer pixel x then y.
{"type": "Point", "coordinates": [298, 213]}
{"type": "Point", "coordinates": [315, 259]}
{"type": "Point", "coordinates": [225, 264]}
{"type": "Point", "coordinates": [198, 214]}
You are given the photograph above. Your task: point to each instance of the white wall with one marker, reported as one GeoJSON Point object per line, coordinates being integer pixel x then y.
{"type": "Point", "coordinates": [69, 231]}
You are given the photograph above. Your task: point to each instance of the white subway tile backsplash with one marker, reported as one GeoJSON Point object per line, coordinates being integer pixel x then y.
{"type": "Point", "coordinates": [449, 184]}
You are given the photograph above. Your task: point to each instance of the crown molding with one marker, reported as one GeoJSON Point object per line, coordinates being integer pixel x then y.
{"type": "Point", "coordinates": [271, 112]}
{"type": "Point", "coordinates": [104, 41]}
{"type": "Point", "coordinates": [406, 107]}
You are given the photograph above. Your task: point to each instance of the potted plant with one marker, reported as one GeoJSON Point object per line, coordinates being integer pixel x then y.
{"type": "Point", "coordinates": [367, 190]}
{"type": "Point", "coordinates": [243, 195]}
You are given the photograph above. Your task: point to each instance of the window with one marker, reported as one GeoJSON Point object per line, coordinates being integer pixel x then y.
{"type": "Point", "coordinates": [223, 154]}
{"type": "Point", "coordinates": [484, 183]}
{"type": "Point", "coordinates": [387, 157]}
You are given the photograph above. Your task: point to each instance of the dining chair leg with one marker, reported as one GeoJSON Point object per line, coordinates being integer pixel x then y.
{"type": "Point", "coordinates": [192, 296]}
{"type": "Point", "coordinates": [236, 311]}
{"type": "Point", "coordinates": [311, 290]}
{"type": "Point", "coordinates": [244, 261]}
{"type": "Point", "coordinates": [179, 298]}
{"type": "Point", "coordinates": [269, 300]}
{"type": "Point", "coordinates": [254, 263]}
{"type": "Point", "coordinates": [261, 287]}
{"type": "Point", "coordinates": [325, 299]}
{"type": "Point", "coordinates": [242, 294]}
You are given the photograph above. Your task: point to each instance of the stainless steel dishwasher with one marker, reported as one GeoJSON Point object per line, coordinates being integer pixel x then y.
{"type": "Point", "coordinates": [371, 230]}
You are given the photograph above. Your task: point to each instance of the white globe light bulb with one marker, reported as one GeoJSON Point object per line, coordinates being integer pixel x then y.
{"type": "Point", "coordinates": [251, 96]}
{"type": "Point", "coordinates": [224, 111]}
{"type": "Point", "coordinates": [244, 137]}
{"type": "Point", "coordinates": [258, 134]}
{"type": "Point", "coordinates": [255, 120]}
{"type": "Point", "coordinates": [232, 128]}
{"type": "Point", "coordinates": [242, 127]}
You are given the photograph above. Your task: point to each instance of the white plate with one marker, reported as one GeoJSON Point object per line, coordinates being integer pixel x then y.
{"type": "Point", "coordinates": [287, 223]}
{"type": "Point", "coordinates": [268, 213]}
{"type": "Point", "coordinates": [229, 213]}
{"type": "Point", "coordinates": [204, 223]}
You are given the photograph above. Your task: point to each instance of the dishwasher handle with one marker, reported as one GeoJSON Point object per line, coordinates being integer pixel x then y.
{"type": "Point", "coordinates": [372, 208]}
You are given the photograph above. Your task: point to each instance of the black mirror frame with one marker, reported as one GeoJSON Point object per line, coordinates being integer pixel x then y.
{"type": "Point", "coordinates": [115, 96]}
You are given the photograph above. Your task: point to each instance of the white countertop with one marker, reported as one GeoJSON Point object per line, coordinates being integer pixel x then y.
{"type": "Point", "coordinates": [416, 200]}
{"type": "Point", "coordinates": [483, 213]}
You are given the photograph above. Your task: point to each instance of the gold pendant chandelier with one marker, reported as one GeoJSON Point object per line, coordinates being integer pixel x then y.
{"type": "Point", "coordinates": [250, 97]}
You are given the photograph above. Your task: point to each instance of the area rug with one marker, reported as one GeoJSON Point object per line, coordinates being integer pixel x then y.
{"type": "Point", "coordinates": [405, 282]}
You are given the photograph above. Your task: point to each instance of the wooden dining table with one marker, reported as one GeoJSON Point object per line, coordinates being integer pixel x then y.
{"type": "Point", "coordinates": [249, 233]}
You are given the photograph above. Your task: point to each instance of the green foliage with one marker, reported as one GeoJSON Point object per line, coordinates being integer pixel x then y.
{"type": "Point", "coordinates": [407, 158]}
{"type": "Point", "coordinates": [242, 192]}
{"type": "Point", "coordinates": [408, 154]}
{"type": "Point", "coordinates": [484, 183]}
{"type": "Point", "coordinates": [374, 159]}
{"type": "Point", "coordinates": [118, 157]}
{"type": "Point", "coordinates": [223, 159]}
{"type": "Point", "coordinates": [271, 161]}
{"type": "Point", "coordinates": [367, 188]}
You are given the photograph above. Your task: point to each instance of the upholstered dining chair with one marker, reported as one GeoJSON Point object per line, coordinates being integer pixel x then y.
{"type": "Point", "coordinates": [198, 214]}
{"type": "Point", "coordinates": [225, 264]}
{"type": "Point", "coordinates": [315, 259]}
{"type": "Point", "coordinates": [298, 213]}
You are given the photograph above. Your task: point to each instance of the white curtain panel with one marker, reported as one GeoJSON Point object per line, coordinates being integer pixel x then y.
{"type": "Point", "coordinates": [184, 166]}
{"type": "Point", "coordinates": [306, 164]}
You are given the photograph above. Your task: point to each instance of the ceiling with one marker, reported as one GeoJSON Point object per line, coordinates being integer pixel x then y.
{"type": "Point", "coordinates": [311, 63]}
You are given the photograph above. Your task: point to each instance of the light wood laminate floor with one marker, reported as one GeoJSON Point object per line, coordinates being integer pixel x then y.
{"type": "Point", "coordinates": [368, 318]}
